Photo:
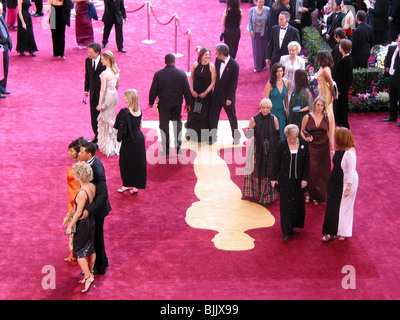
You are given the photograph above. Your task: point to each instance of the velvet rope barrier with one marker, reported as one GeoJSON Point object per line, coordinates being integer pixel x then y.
{"type": "Point", "coordinates": [177, 26]}
{"type": "Point", "coordinates": [134, 10]}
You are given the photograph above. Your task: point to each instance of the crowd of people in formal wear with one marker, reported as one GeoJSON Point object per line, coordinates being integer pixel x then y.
{"type": "Point", "coordinates": [294, 138]}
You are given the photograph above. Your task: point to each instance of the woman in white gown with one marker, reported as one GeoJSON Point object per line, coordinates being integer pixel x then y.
{"type": "Point", "coordinates": [107, 135]}
{"type": "Point", "coordinates": [342, 189]}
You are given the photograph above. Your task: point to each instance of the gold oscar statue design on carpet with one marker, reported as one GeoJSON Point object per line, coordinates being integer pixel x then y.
{"type": "Point", "coordinates": [221, 207]}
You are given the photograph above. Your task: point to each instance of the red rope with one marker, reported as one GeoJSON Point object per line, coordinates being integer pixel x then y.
{"type": "Point", "coordinates": [136, 9]}
{"type": "Point", "coordinates": [179, 25]}
{"type": "Point", "coordinates": [151, 8]}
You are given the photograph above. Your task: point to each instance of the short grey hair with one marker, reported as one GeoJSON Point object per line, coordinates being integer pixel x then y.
{"type": "Point", "coordinates": [223, 49]}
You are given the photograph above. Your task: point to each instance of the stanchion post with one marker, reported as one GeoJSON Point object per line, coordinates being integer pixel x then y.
{"type": "Point", "coordinates": [176, 54]}
{"type": "Point", "coordinates": [148, 41]}
{"type": "Point", "coordinates": [188, 54]}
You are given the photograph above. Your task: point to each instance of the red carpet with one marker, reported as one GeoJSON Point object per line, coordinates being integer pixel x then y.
{"type": "Point", "coordinates": [153, 253]}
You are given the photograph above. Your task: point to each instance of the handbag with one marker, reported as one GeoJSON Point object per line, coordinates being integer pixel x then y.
{"type": "Point", "coordinates": [197, 106]}
{"type": "Point", "coordinates": [335, 91]}
{"type": "Point", "coordinates": [221, 37]}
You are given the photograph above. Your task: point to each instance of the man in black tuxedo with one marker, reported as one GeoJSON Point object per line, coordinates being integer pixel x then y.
{"type": "Point", "coordinates": [93, 69]}
{"type": "Point", "coordinates": [333, 22]}
{"type": "Point", "coordinates": [392, 67]}
{"type": "Point", "coordinates": [363, 40]}
{"type": "Point", "coordinates": [100, 207]}
{"type": "Point", "coordinates": [281, 35]}
{"type": "Point", "coordinates": [394, 19]}
{"type": "Point", "coordinates": [5, 46]}
{"type": "Point", "coordinates": [170, 85]}
{"type": "Point", "coordinates": [114, 15]}
{"type": "Point", "coordinates": [224, 95]}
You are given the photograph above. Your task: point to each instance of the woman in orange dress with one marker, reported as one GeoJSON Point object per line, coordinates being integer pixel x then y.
{"type": "Point", "coordinates": [73, 187]}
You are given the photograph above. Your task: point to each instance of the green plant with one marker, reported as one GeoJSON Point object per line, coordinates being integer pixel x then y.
{"type": "Point", "coordinates": [313, 42]}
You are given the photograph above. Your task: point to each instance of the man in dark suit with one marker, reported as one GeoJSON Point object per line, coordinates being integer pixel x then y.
{"type": "Point", "coordinates": [5, 46]}
{"type": "Point", "coordinates": [392, 67]}
{"type": "Point", "coordinates": [170, 85]}
{"type": "Point", "coordinates": [302, 10]}
{"type": "Point", "coordinates": [344, 79]}
{"type": "Point", "coordinates": [362, 39]}
{"type": "Point", "coordinates": [394, 19]}
{"type": "Point", "coordinates": [93, 69]}
{"type": "Point", "coordinates": [224, 95]}
{"type": "Point", "coordinates": [380, 23]}
{"type": "Point", "coordinates": [114, 15]}
{"type": "Point", "coordinates": [333, 22]}
{"type": "Point", "coordinates": [100, 207]}
{"type": "Point", "coordinates": [281, 35]}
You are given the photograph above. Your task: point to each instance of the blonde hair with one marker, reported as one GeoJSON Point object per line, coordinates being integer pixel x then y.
{"type": "Point", "coordinates": [291, 130]}
{"type": "Point", "coordinates": [267, 102]}
{"type": "Point", "coordinates": [108, 55]}
{"type": "Point", "coordinates": [321, 98]}
{"type": "Point", "coordinates": [133, 99]}
{"type": "Point", "coordinates": [296, 45]}
{"type": "Point", "coordinates": [83, 171]}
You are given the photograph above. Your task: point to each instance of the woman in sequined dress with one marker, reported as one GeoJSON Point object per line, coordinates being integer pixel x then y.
{"type": "Point", "coordinates": [83, 245]}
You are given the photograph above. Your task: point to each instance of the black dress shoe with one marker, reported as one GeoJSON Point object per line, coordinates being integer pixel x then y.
{"type": "Point", "coordinates": [5, 92]}
{"type": "Point", "coordinates": [122, 50]}
{"type": "Point", "coordinates": [389, 120]}
{"type": "Point", "coordinates": [2, 96]}
{"type": "Point", "coordinates": [94, 140]}
{"type": "Point", "coordinates": [104, 45]}
{"type": "Point", "coordinates": [38, 15]}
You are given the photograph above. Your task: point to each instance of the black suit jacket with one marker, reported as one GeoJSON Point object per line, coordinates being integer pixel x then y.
{"type": "Point", "coordinates": [225, 88]}
{"type": "Point", "coordinates": [92, 80]}
{"type": "Point", "coordinates": [380, 14]}
{"type": "Point", "coordinates": [100, 205]}
{"type": "Point", "coordinates": [170, 85]}
{"type": "Point", "coordinates": [114, 9]}
{"type": "Point", "coordinates": [5, 40]}
{"type": "Point", "coordinates": [334, 21]}
{"type": "Point", "coordinates": [362, 40]}
{"type": "Point", "coordinates": [274, 51]}
{"type": "Point", "coordinates": [388, 61]}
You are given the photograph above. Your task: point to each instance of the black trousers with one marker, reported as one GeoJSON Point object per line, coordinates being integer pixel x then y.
{"type": "Point", "coordinates": [101, 257]}
{"type": "Point", "coordinates": [6, 59]}
{"type": "Point", "coordinates": [215, 112]}
{"type": "Point", "coordinates": [119, 37]}
{"type": "Point", "coordinates": [167, 114]}
{"type": "Point", "coordinates": [341, 109]}
{"type": "Point", "coordinates": [94, 113]}
{"type": "Point", "coordinates": [231, 39]}
{"type": "Point", "coordinates": [394, 97]}
{"type": "Point", "coordinates": [58, 34]}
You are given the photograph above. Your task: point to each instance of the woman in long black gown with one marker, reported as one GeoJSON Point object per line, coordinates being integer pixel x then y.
{"type": "Point", "coordinates": [132, 157]}
{"type": "Point", "coordinates": [290, 172]}
{"type": "Point", "coordinates": [231, 21]}
{"type": "Point", "coordinates": [25, 38]}
{"type": "Point", "coordinates": [257, 179]}
{"type": "Point", "coordinates": [202, 80]}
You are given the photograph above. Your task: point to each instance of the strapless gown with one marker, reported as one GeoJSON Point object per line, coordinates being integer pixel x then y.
{"type": "Point", "coordinates": [107, 135]}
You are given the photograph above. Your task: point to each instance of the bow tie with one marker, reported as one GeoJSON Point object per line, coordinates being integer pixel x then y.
{"type": "Point", "coordinates": [282, 28]}
{"type": "Point", "coordinates": [223, 61]}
